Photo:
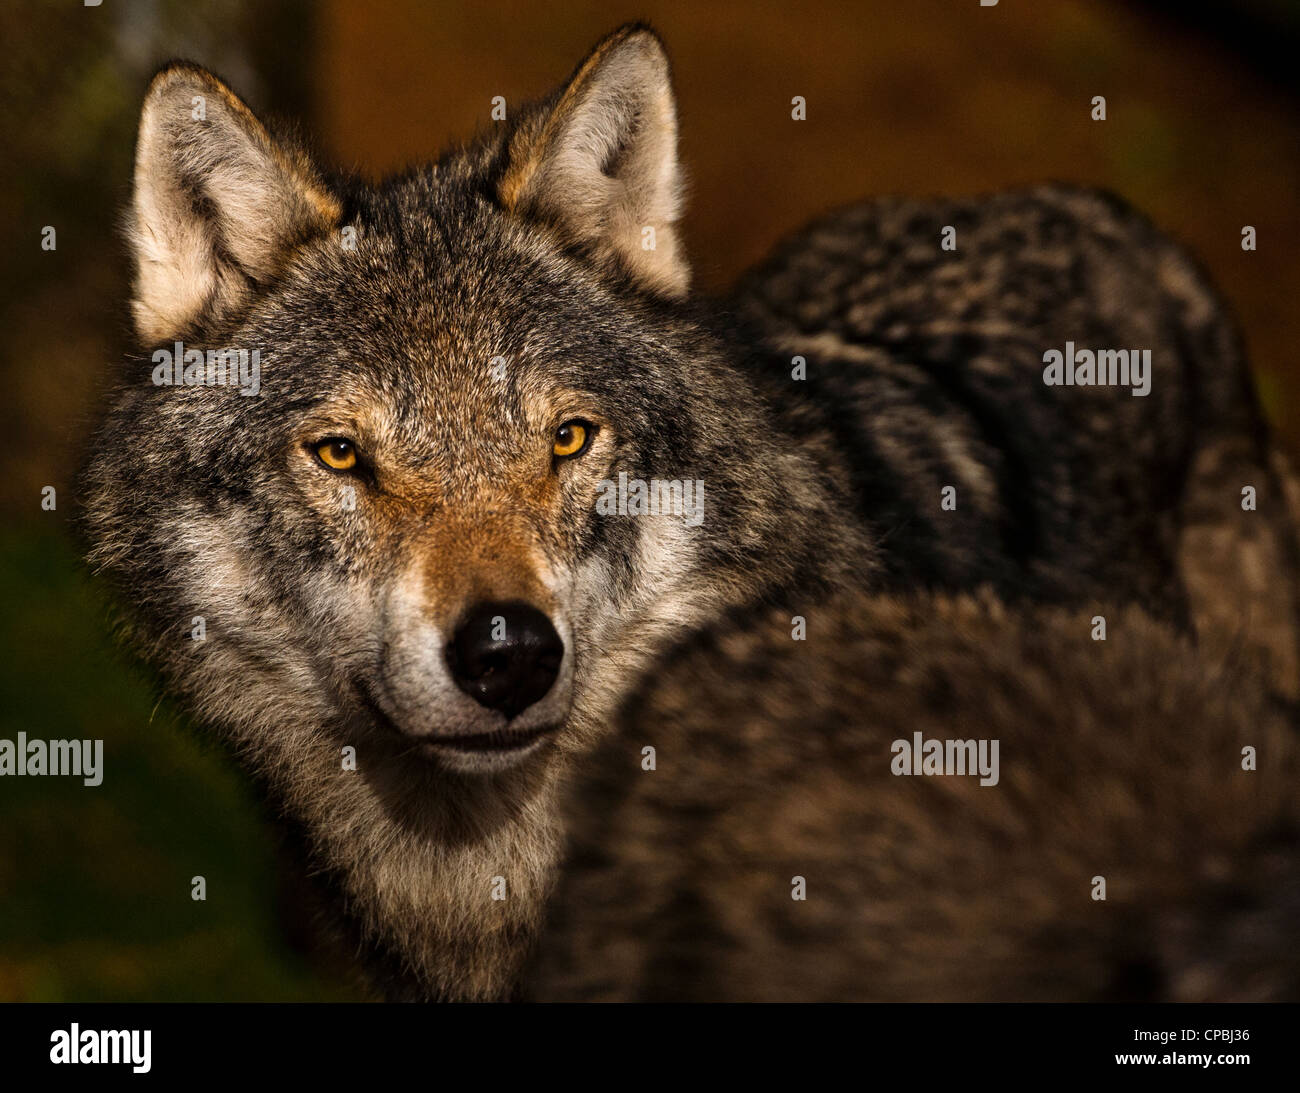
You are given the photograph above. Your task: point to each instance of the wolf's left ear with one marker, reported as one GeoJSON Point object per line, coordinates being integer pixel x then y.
{"type": "Point", "coordinates": [218, 204]}
{"type": "Point", "coordinates": [600, 163]}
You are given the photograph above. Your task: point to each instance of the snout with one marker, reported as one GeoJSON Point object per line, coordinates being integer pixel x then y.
{"type": "Point", "coordinates": [477, 678]}
{"type": "Point", "coordinates": [505, 656]}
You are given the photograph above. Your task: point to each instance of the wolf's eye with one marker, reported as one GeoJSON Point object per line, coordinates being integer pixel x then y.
{"type": "Point", "coordinates": [573, 438]}
{"type": "Point", "coordinates": [336, 453]}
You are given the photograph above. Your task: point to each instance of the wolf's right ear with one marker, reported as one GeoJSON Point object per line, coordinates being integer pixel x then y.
{"type": "Point", "coordinates": [218, 203]}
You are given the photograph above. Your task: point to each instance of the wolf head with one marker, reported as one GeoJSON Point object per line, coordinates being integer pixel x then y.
{"type": "Point", "coordinates": [411, 519]}
{"type": "Point", "coordinates": [409, 481]}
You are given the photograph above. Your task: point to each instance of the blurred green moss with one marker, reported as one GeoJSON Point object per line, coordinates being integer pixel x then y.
{"type": "Point", "coordinates": [95, 881]}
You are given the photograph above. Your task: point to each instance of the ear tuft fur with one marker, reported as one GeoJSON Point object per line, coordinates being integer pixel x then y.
{"type": "Point", "coordinates": [218, 203]}
{"type": "Point", "coordinates": [600, 163]}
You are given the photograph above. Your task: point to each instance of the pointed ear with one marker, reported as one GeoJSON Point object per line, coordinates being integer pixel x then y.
{"type": "Point", "coordinates": [600, 164]}
{"type": "Point", "coordinates": [218, 204]}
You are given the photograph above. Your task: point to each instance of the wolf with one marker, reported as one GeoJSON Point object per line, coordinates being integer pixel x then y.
{"type": "Point", "coordinates": [740, 840]}
{"type": "Point", "coordinates": [383, 578]}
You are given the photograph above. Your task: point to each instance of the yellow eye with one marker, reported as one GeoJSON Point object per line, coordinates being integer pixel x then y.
{"type": "Point", "coordinates": [337, 454]}
{"type": "Point", "coordinates": [572, 438]}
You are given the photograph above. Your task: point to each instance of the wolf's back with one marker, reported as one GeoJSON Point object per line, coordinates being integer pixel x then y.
{"type": "Point", "coordinates": [927, 367]}
{"type": "Point", "coordinates": [1122, 768]}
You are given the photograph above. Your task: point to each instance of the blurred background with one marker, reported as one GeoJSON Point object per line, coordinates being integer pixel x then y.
{"type": "Point", "coordinates": [927, 97]}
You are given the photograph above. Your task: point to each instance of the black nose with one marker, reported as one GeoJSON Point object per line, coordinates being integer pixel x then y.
{"type": "Point", "coordinates": [505, 656]}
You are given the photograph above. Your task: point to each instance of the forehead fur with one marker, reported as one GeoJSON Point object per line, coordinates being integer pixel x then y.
{"type": "Point", "coordinates": [451, 312]}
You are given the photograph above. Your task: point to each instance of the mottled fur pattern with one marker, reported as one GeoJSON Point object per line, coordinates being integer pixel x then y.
{"type": "Point", "coordinates": [491, 296]}
{"type": "Point", "coordinates": [927, 365]}
{"type": "Point", "coordinates": [1119, 759]}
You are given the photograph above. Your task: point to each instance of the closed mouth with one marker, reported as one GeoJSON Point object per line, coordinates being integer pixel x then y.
{"type": "Point", "coordinates": [498, 742]}
{"type": "Point", "coordinates": [502, 740]}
